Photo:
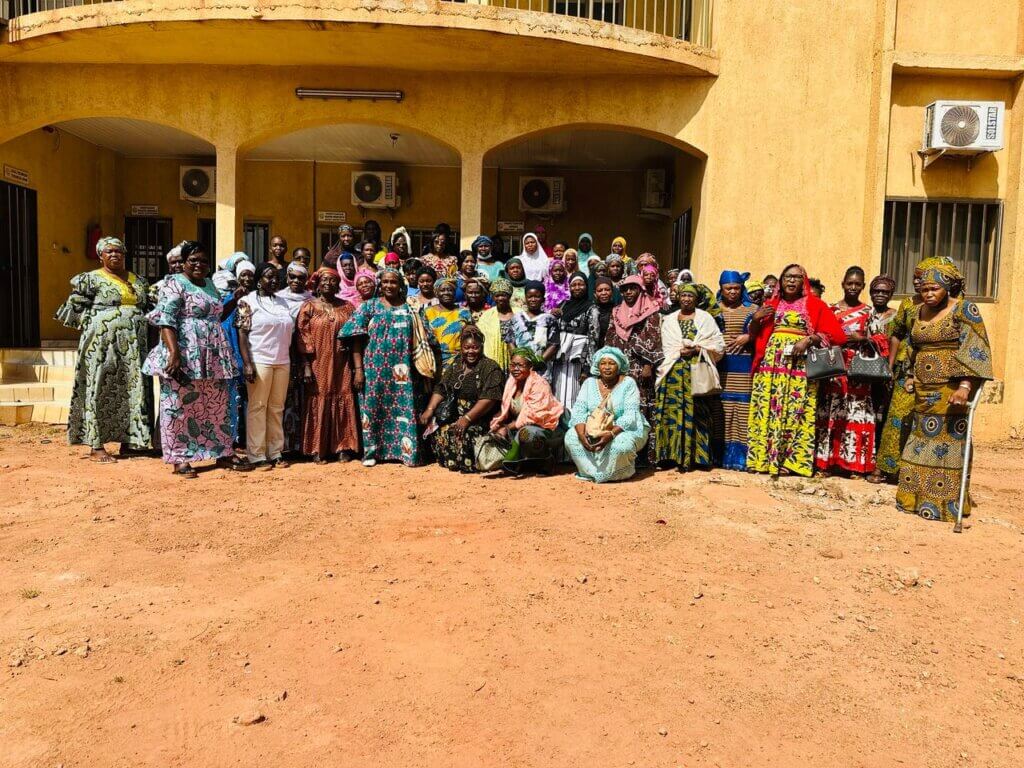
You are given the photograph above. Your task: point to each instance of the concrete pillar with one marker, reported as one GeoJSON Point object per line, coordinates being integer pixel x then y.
{"type": "Point", "coordinates": [471, 210]}
{"type": "Point", "coordinates": [226, 218]}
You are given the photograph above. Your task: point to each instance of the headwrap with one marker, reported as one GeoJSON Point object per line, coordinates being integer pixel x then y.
{"type": "Point", "coordinates": [946, 275]}
{"type": "Point", "coordinates": [932, 261]}
{"type": "Point", "coordinates": [501, 285]}
{"type": "Point", "coordinates": [622, 241]}
{"type": "Point", "coordinates": [392, 259]}
{"type": "Point", "coordinates": [346, 228]}
{"type": "Point", "coordinates": [365, 274]}
{"type": "Point", "coordinates": [175, 251]}
{"type": "Point", "coordinates": [685, 276]}
{"type": "Point", "coordinates": [604, 311]}
{"type": "Point", "coordinates": [647, 263]}
{"type": "Point", "coordinates": [318, 275]}
{"type": "Point", "coordinates": [586, 255]}
{"type": "Point", "coordinates": [555, 293]}
{"type": "Point", "coordinates": [732, 277]}
{"type": "Point", "coordinates": [225, 277]}
{"type": "Point", "coordinates": [753, 285]}
{"type": "Point", "coordinates": [296, 268]}
{"type": "Point", "coordinates": [625, 317]}
{"type": "Point", "coordinates": [536, 361]}
{"type": "Point", "coordinates": [104, 242]}
{"type": "Point", "coordinates": [445, 280]}
{"type": "Point", "coordinates": [883, 280]}
{"type": "Point", "coordinates": [347, 290]}
{"type": "Point", "coordinates": [403, 233]}
{"type": "Point", "coordinates": [646, 258]}
{"type": "Point", "coordinates": [573, 308]}
{"type": "Point", "coordinates": [482, 240]}
{"type": "Point", "coordinates": [691, 288]}
{"type": "Point", "coordinates": [615, 354]}
{"type": "Point", "coordinates": [515, 283]}
{"type": "Point", "coordinates": [536, 266]}
{"type": "Point", "coordinates": [244, 266]}
{"type": "Point", "coordinates": [533, 285]}
{"type": "Point", "coordinates": [263, 268]}
{"type": "Point", "coordinates": [592, 260]}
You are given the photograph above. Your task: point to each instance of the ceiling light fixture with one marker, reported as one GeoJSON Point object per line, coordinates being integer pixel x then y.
{"type": "Point", "coordinates": [348, 94]}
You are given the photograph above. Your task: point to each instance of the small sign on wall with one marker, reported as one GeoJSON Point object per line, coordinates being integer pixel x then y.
{"type": "Point", "coordinates": [145, 210]}
{"type": "Point", "coordinates": [17, 175]}
{"type": "Point", "coordinates": [511, 227]}
{"type": "Point", "coordinates": [331, 217]}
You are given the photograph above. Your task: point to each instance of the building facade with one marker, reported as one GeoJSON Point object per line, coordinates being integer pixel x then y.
{"type": "Point", "coordinates": [713, 133]}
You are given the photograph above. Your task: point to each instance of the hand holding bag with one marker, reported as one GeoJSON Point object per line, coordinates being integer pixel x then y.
{"type": "Point", "coordinates": [600, 420]}
{"type": "Point", "coordinates": [704, 378]}
{"type": "Point", "coordinates": [868, 364]}
{"type": "Point", "coordinates": [422, 352]}
{"type": "Point", "coordinates": [825, 363]}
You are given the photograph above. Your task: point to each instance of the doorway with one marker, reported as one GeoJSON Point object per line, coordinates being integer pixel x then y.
{"type": "Point", "coordinates": [256, 240]}
{"type": "Point", "coordinates": [148, 240]}
{"type": "Point", "coordinates": [19, 267]}
{"type": "Point", "coordinates": [206, 234]}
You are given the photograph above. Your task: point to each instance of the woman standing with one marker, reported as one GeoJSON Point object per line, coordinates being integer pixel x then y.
{"type": "Point", "coordinates": [476, 299]}
{"type": "Point", "coordinates": [556, 287]}
{"type": "Point", "coordinates": [636, 330]}
{"type": "Point", "coordinates": [534, 258]}
{"type": "Point", "coordinates": [684, 421]}
{"type": "Point", "coordinates": [195, 364]}
{"type": "Point", "coordinates": [438, 258]}
{"type": "Point", "coordinates": [475, 382]}
{"type": "Point", "coordinates": [572, 263]}
{"type": "Point", "coordinates": [585, 249]}
{"type": "Point", "coordinates": [647, 268]}
{"type": "Point", "coordinates": [330, 418]}
{"type": "Point", "coordinates": [616, 268]}
{"type": "Point", "coordinates": [783, 402]}
{"type": "Point", "coordinates": [423, 295]}
{"type": "Point", "coordinates": [265, 327]}
{"type": "Point", "coordinates": [611, 454]}
{"type": "Point", "coordinates": [951, 359]}
{"type": "Point", "coordinates": [880, 329]}
{"type": "Point", "coordinates": [734, 370]}
{"type": "Point", "coordinates": [516, 276]}
{"type": "Point", "coordinates": [466, 272]}
{"type": "Point", "coordinates": [578, 330]}
{"type": "Point", "coordinates": [384, 373]}
{"type": "Point", "coordinates": [295, 295]}
{"type": "Point", "coordinates": [108, 402]}
{"type": "Point", "coordinates": [534, 328]}
{"type": "Point", "coordinates": [245, 277]}
{"type": "Point", "coordinates": [446, 319]}
{"type": "Point", "coordinates": [619, 247]}
{"type": "Point", "coordinates": [496, 324]}
{"type": "Point", "coordinates": [846, 412]}
{"type": "Point", "coordinates": [347, 273]}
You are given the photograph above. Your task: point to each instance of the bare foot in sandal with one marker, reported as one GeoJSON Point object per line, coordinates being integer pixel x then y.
{"type": "Point", "coordinates": [186, 471]}
{"type": "Point", "coordinates": [100, 456]}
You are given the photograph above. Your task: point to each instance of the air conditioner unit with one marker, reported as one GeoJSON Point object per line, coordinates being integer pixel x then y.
{"type": "Point", "coordinates": [197, 183]}
{"type": "Point", "coordinates": [655, 189]}
{"type": "Point", "coordinates": [963, 127]}
{"type": "Point", "coordinates": [375, 189]}
{"type": "Point", "coordinates": [541, 194]}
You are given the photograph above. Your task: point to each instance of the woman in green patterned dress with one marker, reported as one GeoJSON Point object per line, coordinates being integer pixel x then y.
{"type": "Point", "coordinates": [108, 402]}
{"type": "Point", "coordinates": [951, 359]}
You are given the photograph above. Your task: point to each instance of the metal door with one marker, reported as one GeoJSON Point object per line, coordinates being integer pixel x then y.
{"type": "Point", "coordinates": [148, 240]}
{"type": "Point", "coordinates": [19, 267]}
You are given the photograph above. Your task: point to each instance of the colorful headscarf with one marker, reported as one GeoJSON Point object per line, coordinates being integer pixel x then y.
{"type": "Point", "coordinates": [946, 275]}
{"type": "Point", "coordinates": [732, 277]}
{"type": "Point", "coordinates": [536, 361]}
{"type": "Point", "coordinates": [104, 242]}
{"type": "Point", "coordinates": [615, 354]}
{"type": "Point", "coordinates": [501, 285]}
{"type": "Point", "coordinates": [624, 255]}
{"type": "Point", "coordinates": [318, 275]}
{"type": "Point", "coordinates": [883, 280]}
{"type": "Point", "coordinates": [753, 285]}
{"type": "Point", "coordinates": [586, 256]}
{"type": "Point", "coordinates": [347, 290]}
{"type": "Point", "coordinates": [625, 317]}
{"type": "Point", "coordinates": [691, 288]}
{"type": "Point", "coordinates": [555, 293]}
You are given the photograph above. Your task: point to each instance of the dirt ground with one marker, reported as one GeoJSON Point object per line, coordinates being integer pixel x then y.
{"type": "Point", "coordinates": [396, 617]}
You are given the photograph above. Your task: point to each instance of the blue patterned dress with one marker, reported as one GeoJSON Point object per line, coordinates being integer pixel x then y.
{"type": "Point", "coordinates": [617, 460]}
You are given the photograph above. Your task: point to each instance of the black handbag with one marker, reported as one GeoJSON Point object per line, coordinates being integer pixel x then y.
{"type": "Point", "coordinates": [869, 365]}
{"type": "Point", "coordinates": [825, 363]}
{"type": "Point", "coordinates": [447, 411]}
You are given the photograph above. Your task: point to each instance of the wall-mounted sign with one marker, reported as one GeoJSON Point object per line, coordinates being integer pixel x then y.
{"type": "Point", "coordinates": [145, 210]}
{"type": "Point", "coordinates": [17, 175]}
{"type": "Point", "coordinates": [511, 227]}
{"type": "Point", "coordinates": [331, 217]}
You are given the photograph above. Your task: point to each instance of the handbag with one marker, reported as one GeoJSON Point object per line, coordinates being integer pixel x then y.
{"type": "Point", "coordinates": [870, 365]}
{"type": "Point", "coordinates": [825, 363]}
{"type": "Point", "coordinates": [447, 410]}
{"type": "Point", "coordinates": [489, 451]}
{"type": "Point", "coordinates": [422, 353]}
{"type": "Point", "coordinates": [704, 378]}
{"type": "Point", "coordinates": [600, 420]}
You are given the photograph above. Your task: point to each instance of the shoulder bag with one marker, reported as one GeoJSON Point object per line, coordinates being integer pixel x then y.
{"type": "Point", "coordinates": [825, 363]}
{"type": "Point", "coordinates": [869, 365]}
{"type": "Point", "coordinates": [422, 353]}
{"type": "Point", "coordinates": [704, 378]}
{"type": "Point", "coordinates": [600, 420]}
{"type": "Point", "coordinates": [447, 411]}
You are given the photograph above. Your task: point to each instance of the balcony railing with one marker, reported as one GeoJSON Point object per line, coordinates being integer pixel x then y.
{"type": "Point", "coordinates": [688, 20]}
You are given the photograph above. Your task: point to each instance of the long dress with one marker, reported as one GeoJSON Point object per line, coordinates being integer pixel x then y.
{"type": "Point", "coordinates": [388, 404]}
{"type": "Point", "coordinates": [617, 460]}
{"type": "Point", "coordinates": [575, 348]}
{"type": "Point", "coordinates": [901, 403]}
{"type": "Point", "coordinates": [537, 332]}
{"type": "Point", "coordinates": [734, 370]}
{"type": "Point", "coordinates": [783, 403]}
{"type": "Point", "coordinates": [238, 393]}
{"type": "Point", "coordinates": [294, 403]}
{"type": "Point", "coordinates": [498, 336]}
{"type": "Point", "coordinates": [946, 350]}
{"type": "Point", "coordinates": [194, 421]}
{"type": "Point", "coordinates": [643, 347]}
{"type": "Point", "coordinates": [108, 401]}
{"type": "Point", "coordinates": [485, 382]}
{"type": "Point", "coordinates": [846, 410]}
{"type": "Point", "coordinates": [446, 325]}
{"type": "Point", "coordinates": [683, 423]}
{"type": "Point", "coordinates": [330, 417]}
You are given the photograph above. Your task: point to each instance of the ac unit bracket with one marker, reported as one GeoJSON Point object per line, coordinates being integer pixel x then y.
{"type": "Point", "coordinates": [929, 156]}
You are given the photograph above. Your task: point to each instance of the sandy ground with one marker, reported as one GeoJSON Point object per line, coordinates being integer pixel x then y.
{"type": "Point", "coordinates": [395, 617]}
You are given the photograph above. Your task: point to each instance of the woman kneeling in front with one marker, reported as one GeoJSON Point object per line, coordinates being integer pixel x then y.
{"type": "Point", "coordinates": [607, 428]}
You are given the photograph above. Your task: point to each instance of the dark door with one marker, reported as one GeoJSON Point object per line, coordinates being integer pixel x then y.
{"type": "Point", "coordinates": [681, 238]}
{"type": "Point", "coordinates": [19, 267]}
{"type": "Point", "coordinates": [207, 235]}
{"type": "Point", "coordinates": [256, 238]}
{"type": "Point", "coordinates": [148, 240]}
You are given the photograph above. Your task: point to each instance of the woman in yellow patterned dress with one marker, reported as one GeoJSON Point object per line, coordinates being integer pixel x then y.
{"type": "Point", "coordinates": [951, 358]}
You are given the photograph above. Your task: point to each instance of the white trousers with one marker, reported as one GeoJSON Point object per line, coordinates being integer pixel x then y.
{"type": "Point", "coordinates": [264, 427]}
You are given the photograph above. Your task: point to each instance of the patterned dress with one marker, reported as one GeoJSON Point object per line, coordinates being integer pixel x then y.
{"type": "Point", "coordinates": [446, 325]}
{"type": "Point", "coordinates": [238, 393]}
{"type": "Point", "coordinates": [330, 416]}
{"type": "Point", "coordinates": [643, 347]}
{"type": "Point", "coordinates": [194, 421]}
{"type": "Point", "coordinates": [537, 332]}
{"type": "Point", "coordinates": [783, 402]}
{"type": "Point", "coordinates": [617, 460]}
{"type": "Point", "coordinates": [388, 404]}
{"type": "Point", "coordinates": [498, 336]}
{"type": "Point", "coordinates": [946, 350]}
{"type": "Point", "coordinates": [846, 411]}
{"type": "Point", "coordinates": [682, 436]}
{"type": "Point", "coordinates": [730, 436]}
{"type": "Point", "coordinates": [484, 382]}
{"type": "Point", "coordinates": [901, 404]}
{"type": "Point", "coordinates": [576, 345]}
{"type": "Point", "coordinates": [108, 402]}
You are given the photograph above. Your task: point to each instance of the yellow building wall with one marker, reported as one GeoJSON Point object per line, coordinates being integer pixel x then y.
{"type": "Point", "coordinates": [981, 27]}
{"type": "Point", "coordinates": [152, 181]}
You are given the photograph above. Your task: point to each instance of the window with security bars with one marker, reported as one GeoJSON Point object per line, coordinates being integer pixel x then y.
{"type": "Point", "coordinates": [967, 231]}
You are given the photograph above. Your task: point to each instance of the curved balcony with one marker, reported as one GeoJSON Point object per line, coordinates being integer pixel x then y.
{"type": "Point", "coordinates": [561, 37]}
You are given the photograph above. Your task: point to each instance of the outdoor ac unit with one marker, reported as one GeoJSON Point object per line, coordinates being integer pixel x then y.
{"type": "Point", "coordinates": [541, 194]}
{"type": "Point", "coordinates": [963, 127]}
{"type": "Point", "coordinates": [197, 183]}
{"type": "Point", "coordinates": [375, 189]}
{"type": "Point", "coordinates": [655, 189]}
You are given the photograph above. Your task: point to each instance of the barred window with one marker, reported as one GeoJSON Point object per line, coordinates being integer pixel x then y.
{"type": "Point", "coordinates": [967, 231]}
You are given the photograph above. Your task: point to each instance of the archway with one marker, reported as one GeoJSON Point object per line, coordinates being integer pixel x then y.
{"type": "Point", "coordinates": [303, 184]}
{"type": "Point", "coordinates": [607, 181]}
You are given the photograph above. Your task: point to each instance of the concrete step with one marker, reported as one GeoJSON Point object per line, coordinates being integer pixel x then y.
{"type": "Point", "coordinates": [13, 414]}
{"type": "Point", "coordinates": [11, 373]}
{"type": "Point", "coordinates": [39, 356]}
{"type": "Point", "coordinates": [34, 392]}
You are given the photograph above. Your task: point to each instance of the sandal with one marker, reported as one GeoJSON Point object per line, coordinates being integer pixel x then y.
{"type": "Point", "coordinates": [318, 459]}
{"type": "Point", "coordinates": [280, 463]}
{"type": "Point", "coordinates": [101, 458]}
{"type": "Point", "coordinates": [234, 464]}
{"type": "Point", "coordinates": [186, 472]}
{"type": "Point", "coordinates": [875, 478]}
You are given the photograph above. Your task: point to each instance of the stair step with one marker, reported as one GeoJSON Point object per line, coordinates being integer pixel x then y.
{"type": "Point", "coordinates": [30, 392]}
{"type": "Point", "coordinates": [13, 414]}
{"type": "Point", "coordinates": [18, 373]}
{"type": "Point", "coordinates": [39, 356]}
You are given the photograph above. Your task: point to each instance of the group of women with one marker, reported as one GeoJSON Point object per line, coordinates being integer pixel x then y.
{"type": "Point", "coordinates": [481, 364]}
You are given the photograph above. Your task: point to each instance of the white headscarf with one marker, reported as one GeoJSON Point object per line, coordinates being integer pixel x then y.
{"type": "Point", "coordinates": [295, 300]}
{"type": "Point", "coordinates": [224, 278]}
{"type": "Point", "coordinates": [535, 266]}
{"type": "Point", "coordinates": [244, 266]}
{"type": "Point", "coordinates": [405, 236]}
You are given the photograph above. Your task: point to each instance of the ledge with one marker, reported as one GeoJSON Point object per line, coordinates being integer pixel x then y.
{"type": "Point", "coordinates": [418, 34]}
{"type": "Point", "coordinates": [957, 65]}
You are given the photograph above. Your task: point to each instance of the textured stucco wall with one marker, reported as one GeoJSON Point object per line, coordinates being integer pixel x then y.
{"type": "Point", "coordinates": [980, 27]}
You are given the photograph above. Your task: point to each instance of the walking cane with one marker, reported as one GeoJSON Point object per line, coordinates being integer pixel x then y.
{"type": "Point", "coordinates": [965, 472]}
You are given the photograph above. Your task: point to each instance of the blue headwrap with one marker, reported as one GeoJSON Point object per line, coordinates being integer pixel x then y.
{"type": "Point", "coordinates": [615, 354]}
{"type": "Point", "coordinates": [738, 278]}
